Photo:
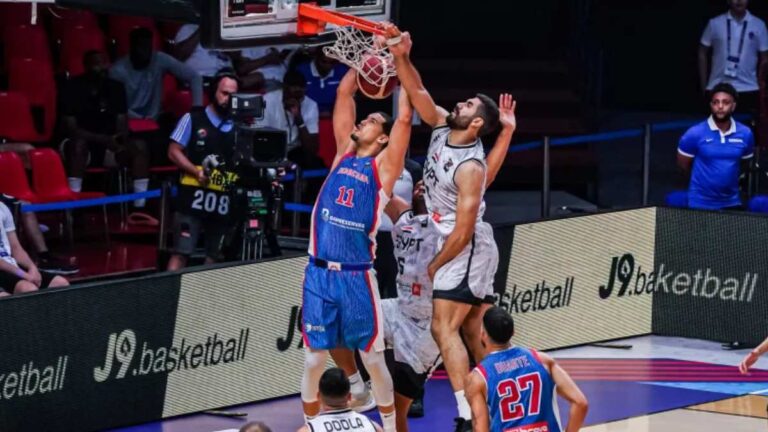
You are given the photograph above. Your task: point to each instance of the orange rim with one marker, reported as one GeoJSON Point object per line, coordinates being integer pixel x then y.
{"type": "Point", "coordinates": [313, 19]}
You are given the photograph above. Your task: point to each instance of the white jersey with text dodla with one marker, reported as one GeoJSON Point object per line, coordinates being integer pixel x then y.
{"type": "Point", "coordinates": [443, 159]}
{"type": "Point", "coordinates": [343, 420]}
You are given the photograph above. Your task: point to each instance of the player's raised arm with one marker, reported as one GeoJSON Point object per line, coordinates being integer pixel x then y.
{"type": "Point", "coordinates": [344, 113]}
{"type": "Point", "coordinates": [496, 156]}
{"type": "Point", "coordinates": [475, 391]}
{"type": "Point", "coordinates": [392, 159]}
{"type": "Point", "coordinates": [410, 79]}
{"type": "Point", "coordinates": [396, 207]}
{"type": "Point", "coordinates": [469, 178]}
{"type": "Point", "coordinates": [568, 390]}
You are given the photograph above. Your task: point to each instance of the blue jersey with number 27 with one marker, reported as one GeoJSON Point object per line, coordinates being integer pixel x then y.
{"type": "Point", "coordinates": [347, 212]}
{"type": "Point", "coordinates": [521, 392]}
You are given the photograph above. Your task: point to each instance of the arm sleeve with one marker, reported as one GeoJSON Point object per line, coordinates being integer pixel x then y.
{"type": "Point", "coordinates": [689, 145]}
{"type": "Point", "coordinates": [7, 217]}
{"type": "Point", "coordinates": [749, 150]}
{"type": "Point", "coordinates": [706, 37]}
{"type": "Point", "coordinates": [183, 131]}
{"type": "Point", "coordinates": [763, 38]}
{"type": "Point", "coordinates": [185, 32]}
{"type": "Point", "coordinates": [184, 73]}
{"type": "Point", "coordinates": [312, 117]}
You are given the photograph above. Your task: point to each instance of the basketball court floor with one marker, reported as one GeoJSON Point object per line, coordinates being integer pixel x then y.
{"type": "Point", "coordinates": [648, 383]}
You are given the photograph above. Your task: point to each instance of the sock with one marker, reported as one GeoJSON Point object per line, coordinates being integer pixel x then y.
{"type": "Point", "coordinates": [140, 185]}
{"type": "Point", "coordinates": [356, 384]}
{"type": "Point", "coordinates": [465, 411]}
{"type": "Point", "coordinates": [75, 183]}
{"type": "Point", "coordinates": [388, 422]}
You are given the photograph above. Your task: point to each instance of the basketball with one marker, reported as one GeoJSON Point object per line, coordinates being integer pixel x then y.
{"type": "Point", "coordinates": [374, 68]}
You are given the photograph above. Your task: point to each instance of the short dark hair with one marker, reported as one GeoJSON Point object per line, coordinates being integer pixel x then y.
{"type": "Point", "coordinates": [255, 426]}
{"type": "Point", "coordinates": [725, 88]}
{"type": "Point", "coordinates": [140, 34]}
{"type": "Point", "coordinates": [499, 325]}
{"type": "Point", "coordinates": [89, 55]}
{"type": "Point", "coordinates": [389, 122]}
{"type": "Point", "coordinates": [489, 112]}
{"type": "Point", "coordinates": [334, 384]}
{"type": "Point", "coordinates": [294, 78]}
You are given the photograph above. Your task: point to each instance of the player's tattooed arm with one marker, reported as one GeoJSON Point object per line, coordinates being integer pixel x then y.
{"type": "Point", "coordinates": [498, 154]}
{"type": "Point", "coordinates": [410, 79]}
{"type": "Point", "coordinates": [475, 391]}
{"type": "Point", "coordinates": [344, 112]}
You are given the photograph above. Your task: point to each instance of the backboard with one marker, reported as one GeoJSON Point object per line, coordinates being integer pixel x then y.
{"type": "Point", "coordinates": [232, 24]}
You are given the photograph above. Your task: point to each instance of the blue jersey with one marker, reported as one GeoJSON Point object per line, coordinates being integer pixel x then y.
{"type": "Point", "coordinates": [717, 158]}
{"type": "Point", "coordinates": [521, 392]}
{"type": "Point", "coordinates": [348, 212]}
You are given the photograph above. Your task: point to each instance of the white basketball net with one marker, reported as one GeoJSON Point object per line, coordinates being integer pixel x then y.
{"type": "Point", "coordinates": [355, 47]}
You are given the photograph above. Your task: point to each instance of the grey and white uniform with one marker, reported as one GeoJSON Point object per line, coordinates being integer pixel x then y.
{"type": "Point", "coordinates": [407, 318]}
{"type": "Point", "coordinates": [341, 420]}
{"type": "Point", "coordinates": [468, 278]}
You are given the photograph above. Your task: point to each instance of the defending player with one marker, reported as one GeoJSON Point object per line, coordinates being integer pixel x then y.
{"type": "Point", "coordinates": [514, 388]}
{"type": "Point", "coordinates": [407, 318]}
{"type": "Point", "coordinates": [337, 415]}
{"type": "Point", "coordinates": [456, 175]}
{"type": "Point", "coordinates": [341, 305]}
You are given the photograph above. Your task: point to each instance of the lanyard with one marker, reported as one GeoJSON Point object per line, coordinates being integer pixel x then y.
{"type": "Point", "coordinates": [741, 41]}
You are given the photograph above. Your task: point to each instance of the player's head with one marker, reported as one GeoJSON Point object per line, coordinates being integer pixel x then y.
{"type": "Point", "coordinates": [95, 63]}
{"type": "Point", "coordinates": [141, 47]}
{"type": "Point", "coordinates": [255, 426]}
{"type": "Point", "coordinates": [419, 204]}
{"type": "Point", "coordinates": [722, 101]}
{"type": "Point", "coordinates": [498, 327]}
{"type": "Point", "coordinates": [334, 388]}
{"type": "Point", "coordinates": [480, 114]}
{"type": "Point", "coordinates": [294, 86]}
{"type": "Point", "coordinates": [224, 84]}
{"type": "Point", "coordinates": [373, 132]}
{"type": "Point", "coordinates": [738, 6]}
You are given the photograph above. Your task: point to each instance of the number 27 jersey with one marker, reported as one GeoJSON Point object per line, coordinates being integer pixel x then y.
{"type": "Point", "coordinates": [521, 392]}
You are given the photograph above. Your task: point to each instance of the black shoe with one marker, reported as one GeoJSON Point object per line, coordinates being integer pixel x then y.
{"type": "Point", "coordinates": [417, 408]}
{"type": "Point", "coordinates": [463, 425]}
{"type": "Point", "coordinates": [57, 265]}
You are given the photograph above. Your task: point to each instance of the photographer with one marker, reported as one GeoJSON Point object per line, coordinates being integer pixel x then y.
{"type": "Point", "coordinates": [204, 140]}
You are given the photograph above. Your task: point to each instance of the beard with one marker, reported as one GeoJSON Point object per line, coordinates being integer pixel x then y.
{"type": "Point", "coordinates": [222, 110]}
{"type": "Point", "coordinates": [457, 122]}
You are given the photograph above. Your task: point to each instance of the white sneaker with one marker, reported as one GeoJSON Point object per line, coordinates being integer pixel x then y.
{"type": "Point", "coordinates": [363, 402]}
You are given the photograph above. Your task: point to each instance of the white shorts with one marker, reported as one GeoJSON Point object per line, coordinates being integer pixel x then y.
{"type": "Point", "coordinates": [410, 339]}
{"type": "Point", "coordinates": [468, 278]}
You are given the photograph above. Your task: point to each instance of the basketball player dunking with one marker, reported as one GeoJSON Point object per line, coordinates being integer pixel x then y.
{"type": "Point", "coordinates": [341, 305]}
{"type": "Point", "coordinates": [456, 174]}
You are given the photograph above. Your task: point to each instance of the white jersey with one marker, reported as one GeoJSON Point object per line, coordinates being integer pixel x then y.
{"type": "Point", "coordinates": [443, 159]}
{"type": "Point", "coordinates": [415, 242]}
{"type": "Point", "coordinates": [343, 420]}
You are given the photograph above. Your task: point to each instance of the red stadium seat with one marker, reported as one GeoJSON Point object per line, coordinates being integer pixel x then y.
{"type": "Point", "coordinates": [17, 124]}
{"type": "Point", "coordinates": [120, 28]}
{"type": "Point", "coordinates": [34, 78]}
{"type": "Point", "coordinates": [14, 181]}
{"type": "Point", "coordinates": [75, 42]}
{"type": "Point", "coordinates": [63, 19]}
{"type": "Point", "coordinates": [178, 103]}
{"type": "Point", "coordinates": [49, 179]}
{"type": "Point", "coordinates": [26, 41]}
{"type": "Point", "coordinates": [327, 142]}
{"type": "Point", "coordinates": [15, 13]}
{"type": "Point", "coordinates": [142, 125]}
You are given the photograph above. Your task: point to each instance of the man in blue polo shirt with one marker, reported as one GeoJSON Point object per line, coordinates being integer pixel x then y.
{"type": "Point", "coordinates": [323, 76]}
{"type": "Point", "coordinates": [719, 150]}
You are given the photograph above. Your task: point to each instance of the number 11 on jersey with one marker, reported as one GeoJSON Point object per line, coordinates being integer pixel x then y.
{"type": "Point", "coordinates": [345, 197]}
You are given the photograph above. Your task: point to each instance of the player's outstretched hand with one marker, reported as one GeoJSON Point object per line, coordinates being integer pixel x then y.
{"type": "Point", "coordinates": [507, 106]}
{"type": "Point", "coordinates": [748, 361]}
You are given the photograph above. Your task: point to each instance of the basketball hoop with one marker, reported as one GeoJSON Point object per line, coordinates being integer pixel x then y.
{"type": "Point", "coordinates": [355, 43]}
